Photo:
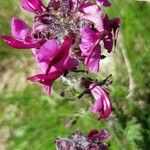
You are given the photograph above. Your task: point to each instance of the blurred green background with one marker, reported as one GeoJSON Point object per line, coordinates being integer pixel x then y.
{"type": "Point", "coordinates": [29, 119]}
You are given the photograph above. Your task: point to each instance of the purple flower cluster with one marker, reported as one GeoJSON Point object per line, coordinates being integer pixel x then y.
{"type": "Point", "coordinates": [65, 35]}
{"type": "Point", "coordinates": [77, 141]}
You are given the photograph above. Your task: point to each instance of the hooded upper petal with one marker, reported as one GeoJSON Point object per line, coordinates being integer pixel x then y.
{"type": "Point", "coordinates": [19, 29]}
{"type": "Point", "coordinates": [32, 5]}
{"type": "Point", "coordinates": [105, 3]}
{"type": "Point", "coordinates": [102, 103]}
{"type": "Point", "coordinates": [94, 14]}
{"type": "Point", "coordinates": [90, 48]}
{"type": "Point", "coordinates": [21, 36]}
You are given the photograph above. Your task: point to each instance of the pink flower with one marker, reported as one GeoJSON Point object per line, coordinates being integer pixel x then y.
{"type": "Point", "coordinates": [21, 35]}
{"type": "Point", "coordinates": [102, 23]}
{"type": "Point", "coordinates": [35, 6]}
{"type": "Point", "coordinates": [90, 48]}
{"type": "Point", "coordinates": [57, 61]}
{"type": "Point", "coordinates": [102, 104]}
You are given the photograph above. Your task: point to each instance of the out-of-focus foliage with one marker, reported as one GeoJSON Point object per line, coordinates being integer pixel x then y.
{"type": "Point", "coordinates": [31, 120]}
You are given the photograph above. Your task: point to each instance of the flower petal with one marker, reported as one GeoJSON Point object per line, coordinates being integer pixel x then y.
{"type": "Point", "coordinates": [46, 79]}
{"type": "Point", "coordinates": [19, 28]}
{"type": "Point", "coordinates": [100, 135]}
{"type": "Point", "coordinates": [69, 63]}
{"type": "Point", "coordinates": [90, 48]}
{"type": "Point", "coordinates": [48, 51]}
{"type": "Point", "coordinates": [93, 62]}
{"type": "Point", "coordinates": [94, 14]}
{"type": "Point", "coordinates": [102, 103]}
{"type": "Point", "coordinates": [11, 41]}
{"type": "Point", "coordinates": [62, 54]}
{"type": "Point", "coordinates": [32, 5]}
{"type": "Point", "coordinates": [68, 42]}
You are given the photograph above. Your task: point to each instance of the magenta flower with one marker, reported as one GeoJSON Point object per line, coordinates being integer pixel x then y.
{"type": "Point", "coordinates": [77, 141]}
{"type": "Point", "coordinates": [106, 31]}
{"type": "Point", "coordinates": [102, 104]}
{"type": "Point", "coordinates": [63, 32]}
{"type": "Point", "coordinates": [35, 6]}
{"type": "Point", "coordinates": [21, 36]}
{"type": "Point", "coordinates": [58, 61]}
{"type": "Point", "coordinates": [90, 48]}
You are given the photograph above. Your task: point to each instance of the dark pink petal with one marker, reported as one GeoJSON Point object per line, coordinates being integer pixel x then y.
{"type": "Point", "coordinates": [93, 62]}
{"type": "Point", "coordinates": [92, 133]}
{"type": "Point", "coordinates": [89, 40]}
{"type": "Point", "coordinates": [62, 54]}
{"type": "Point", "coordinates": [108, 42]}
{"type": "Point", "coordinates": [68, 42]}
{"type": "Point", "coordinates": [48, 51]}
{"type": "Point", "coordinates": [70, 63]}
{"type": "Point", "coordinates": [100, 135]}
{"type": "Point", "coordinates": [105, 3]}
{"type": "Point", "coordinates": [19, 28]}
{"type": "Point", "coordinates": [32, 5]}
{"type": "Point", "coordinates": [103, 135]}
{"type": "Point", "coordinates": [11, 41]}
{"type": "Point", "coordinates": [94, 14]}
{"type": "Point", "coordinates": [64, 64]}
{"type": "Point", "coordinates": [102, 103]}
{"type": "Point", "coordinates": [90, 48]}
{"type": "Point", "coordinates": [26, 7]}
{"type": "Point", "coordinates": [46, 80]}
{"type": "Point", "coordinates": [46, 84]}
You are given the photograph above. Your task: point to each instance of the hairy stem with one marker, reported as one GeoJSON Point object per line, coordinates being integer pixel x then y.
{"type": "Point", "coordinates": [132, 84]}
